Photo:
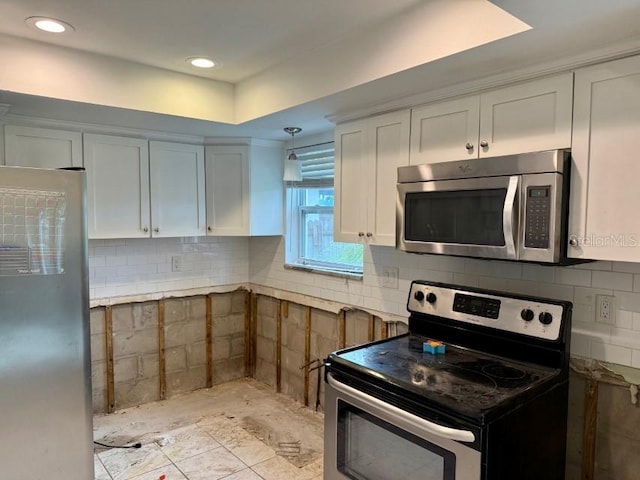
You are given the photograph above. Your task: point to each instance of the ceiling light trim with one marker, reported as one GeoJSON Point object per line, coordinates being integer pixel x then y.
{"type": "Point", "coordinates": [49, 25]}
{"type": "Point", "coordinates": [202, 62]}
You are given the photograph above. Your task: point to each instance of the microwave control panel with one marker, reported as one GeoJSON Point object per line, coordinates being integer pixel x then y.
{"type": "Point", "coordinates": [538, 217]}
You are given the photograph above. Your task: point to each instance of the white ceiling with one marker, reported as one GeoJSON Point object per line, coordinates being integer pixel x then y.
{"type": "Point", "coordinates": [257, 39]}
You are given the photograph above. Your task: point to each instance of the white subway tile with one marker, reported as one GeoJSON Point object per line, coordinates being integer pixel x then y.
{"type": "Point", "coordinates": [587, 296]}
{"type": "Point", "coordinates": [569, 276]}
{"type": "Point", "coordinates": [105, 251]}
{"type": "Point", "coordinates": [611, 353]}
{"type": "Point", "coordinates": [627, 301]}
{"type": "Point", "coordinates": [612, 280]}
{"type": "Point", "coordinates": [478, 267]}
{"type": "Point", "coordinates": [624, 319]}
{"type": "Point", "coordinates": [636, 283]}
{"type": "Point", "coordinates": [635, 358]}
{"type": "Point", "coordinates": [583, 313]}
{"type": "Point", "coordinates": [558, 292]}
{"type": "Point", "coordinates": [626, 267]}
{"type": "Point", "coordinates": [636, 321]}
{"type": "Point", "coordinates": [491, 283]}
{"type": "Point", "coordinates": [538, 273]}
{"type": "Point", "coordinates": [580, 345]}
{"type": "Point", "coordinates": [507, 270]}
{"type": "Point", "coordinates": [465, 279]}
{"type": "Point", "coordinates": [115, 261]}
{"type": "Point", "coordinates": [595, 331]}
{"type": "Point", "coordinates": [97, 261]}
{"type": "Point", "coordinates": [625, 338]}
{"type": "Point", "coordinates": [599, 265]}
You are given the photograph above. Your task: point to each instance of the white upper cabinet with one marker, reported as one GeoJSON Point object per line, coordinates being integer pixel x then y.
{"type": "Point", "coordinates": [117, 186]}
{"type": "Point", "coordinates": [177, 189]}
{"type": "Point", "coordinates": [526, 117]}
{"type": "Point", "coordinates": [244, 185]}
{"type": "Point", "coordinates": [367, 155]}
{"type": "Point", "coordinates": [42, 147]}
{"type": "Point", "coordinates": [603, 221]}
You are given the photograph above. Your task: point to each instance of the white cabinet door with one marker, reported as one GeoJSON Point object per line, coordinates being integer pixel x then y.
{"type": "Point", "coordinates": [367, 155]}
{"type": "Point", "coordinates": [528, 117]}
{"type": "Point", "coordinates": [177, 189]}
{"type": "Point", "coordinates": [445, 131]}
{"type": "Point", "coordinates": [388, 145]}
{"type": "Point", "coordinates": [117, 186]}
{"type": "Point", "coordinates": [42, 147]}
{"type": "Point", "coordinates": [227, 179]}
{"type": "Point", "coordinates": [603, 219]}
{"type": "Point", "coordinates": [350, 184]}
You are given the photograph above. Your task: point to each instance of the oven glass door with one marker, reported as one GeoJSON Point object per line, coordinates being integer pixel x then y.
{"type": "Point", "coordinates": [473, 217]}
{"type": "Point", "coordinates": [372, 449]}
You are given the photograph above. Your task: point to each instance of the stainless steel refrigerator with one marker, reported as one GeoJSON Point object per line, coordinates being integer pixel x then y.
{"type": "Point", "coordinates": [45, 382]}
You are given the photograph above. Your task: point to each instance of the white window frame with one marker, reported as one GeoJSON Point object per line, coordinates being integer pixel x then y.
{"type": "Point", "coordinates": [316, 174]}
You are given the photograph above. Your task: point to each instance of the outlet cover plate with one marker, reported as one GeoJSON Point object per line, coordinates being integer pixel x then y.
{"type": "Point", "coordinates": [390, 277]}
{"type": "Point", "coordinates": [605, 309]}
{"type": "Point", "coordinates": [176, 263]}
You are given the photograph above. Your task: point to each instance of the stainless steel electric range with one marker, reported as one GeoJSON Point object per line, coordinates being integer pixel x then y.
{"type": "Point", "coordinates": [477, 390]}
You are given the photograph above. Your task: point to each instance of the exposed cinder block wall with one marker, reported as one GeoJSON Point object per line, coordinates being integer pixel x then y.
{"type": "Point", "coordinates": [228, 312]}
{"type": "Point", "coordinates": [266, 329]}
{"type": "Point", "coordinates": [135, 354]}
{"type": "Point", "coordinates": [185, 344]}
{"type": "Point", "coordinates": [136, 348]}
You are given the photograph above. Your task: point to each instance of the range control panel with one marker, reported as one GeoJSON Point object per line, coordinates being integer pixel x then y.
{"type": "Point", "coordinates": [535, 317]}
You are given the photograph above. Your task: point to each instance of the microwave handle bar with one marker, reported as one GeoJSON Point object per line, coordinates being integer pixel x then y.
{"type": "Point", "coordinates": [401, 415]}
{"type": "Point", "coordinates": [509, 219]}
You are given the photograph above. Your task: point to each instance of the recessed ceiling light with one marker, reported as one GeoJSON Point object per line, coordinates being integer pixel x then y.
{"type": "Point", "coordinates": [50, 25]}
{"type": "Point", "coordinates": [201, 62]}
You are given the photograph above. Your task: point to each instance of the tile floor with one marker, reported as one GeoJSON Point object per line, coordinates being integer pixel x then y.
{"type": "Point", "coordinates": [241, 430]}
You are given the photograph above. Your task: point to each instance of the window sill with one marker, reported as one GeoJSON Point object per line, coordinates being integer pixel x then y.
{"type": "Point", "coordinates": [323, 271]}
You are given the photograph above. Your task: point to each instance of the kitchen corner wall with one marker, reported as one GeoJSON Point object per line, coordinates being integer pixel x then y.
{"type": "Point", "coordinates": [143, 265]}
{"type": "Point", "coordinates": [617, 341]}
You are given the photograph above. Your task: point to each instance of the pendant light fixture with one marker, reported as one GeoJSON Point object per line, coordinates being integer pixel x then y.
{"type": "Point", "coordinates": [292, 167]}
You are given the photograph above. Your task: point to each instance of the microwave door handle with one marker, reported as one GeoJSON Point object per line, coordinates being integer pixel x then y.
{"type": "Point", "coordinates": [401, 415]}
{"type": "Point", "coordinates": [509, 216]}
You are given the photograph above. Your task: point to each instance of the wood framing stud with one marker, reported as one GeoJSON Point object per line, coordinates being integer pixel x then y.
{"type": "Point", "coordinates": [372, 327]}
{"type": "Point", "coordinates": [384, 330]}
{"type": "Point", "coordinates": [111, 388]}
{"type": "Point", "coordinates": [209, 320]}
{"type": "Point", "coordinates": [342, 327]}
{"type": "Point", "coordinates": [279, 346]}
{"type": "Point", "coordinates": [254, 333]}
{"type": "Point", "coordinates": [247, 333]}
{"type": "Point", "coordinates": [162, 365]}
{"type": "Point", "coordinates": [285, 308]}
{"type": "Point", "coordinates": [307, 355]}
{"type": "Point", "coordinates": [590, 430]}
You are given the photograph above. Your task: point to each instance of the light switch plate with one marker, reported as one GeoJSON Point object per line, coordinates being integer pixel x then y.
{"type": "Point", "coordinates": [390, 277]}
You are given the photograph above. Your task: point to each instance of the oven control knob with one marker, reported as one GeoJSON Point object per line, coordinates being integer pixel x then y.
{"type": "Point", "coordinates": [527, 314]}
{"type": "Point", "coordinates": [431, 297]}
{"type": "Point", "coordinates": [419, 295]}
{"type": "Point", "coordinates": [545, 318]}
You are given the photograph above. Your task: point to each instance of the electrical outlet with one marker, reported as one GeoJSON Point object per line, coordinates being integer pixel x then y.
{"type": "Point", "coordinates": [605, 309]}
{"type": "Point", "coordinates": [176, 263]}
{"type": "Point", "coordinates": [390, 277]}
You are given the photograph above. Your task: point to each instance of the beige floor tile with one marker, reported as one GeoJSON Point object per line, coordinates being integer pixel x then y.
{"type": "Point", "coordinates": [170, 472]}
{"type": "Point", "coordinates": [277, 468]}
{"type": "Point", "coordinates": [246, 474]}
{"type": "Point", "coordinates": [211, 465]}
{"type": "Point", "coordinates": [100, 473]}
{"type": "Point", "coordinates": [123, 464]}
{"type": "Point", "coordinates": [241, 443]}
{"type": "Point", "coordinates": [186, 442]}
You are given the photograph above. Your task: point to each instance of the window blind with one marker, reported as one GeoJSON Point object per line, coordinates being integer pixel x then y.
{"type": "Point", "coordinates": [317, 164]}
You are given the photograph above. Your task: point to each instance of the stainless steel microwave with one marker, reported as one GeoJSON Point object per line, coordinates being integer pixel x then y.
{"type": "Point", "coordinates": [511, 208]}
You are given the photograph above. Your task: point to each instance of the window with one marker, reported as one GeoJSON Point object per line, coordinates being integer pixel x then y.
{"type": "Point", "coordinates": [309, 241]}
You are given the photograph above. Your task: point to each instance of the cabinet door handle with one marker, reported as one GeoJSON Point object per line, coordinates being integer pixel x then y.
{"type": "Point", "coordinates": [145, 229]}
{"type": "Point", "coordinates": [484, 144]}
{"type": "Point", "coordinates": [369, 234]}
{"type": "Point", "coordinates": [156, 229]}
{"type": "Point", "coordinates": [361, 234]}
{"type": "Point", "coordinates": [209, 229]}
{"type": "Point", "coordinates": [469, 146]}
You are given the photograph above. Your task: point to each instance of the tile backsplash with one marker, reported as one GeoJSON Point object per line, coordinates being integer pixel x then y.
{"type": "Point", "coordinates": [615, 340]}
{"type": "Point", "coordinates": [145, 265]}
{"type": "Point", "coordinates": [142, 266]}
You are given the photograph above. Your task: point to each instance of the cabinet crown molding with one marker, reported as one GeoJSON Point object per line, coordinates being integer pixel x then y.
{"type": "Point", "coordinates": [250, 141]}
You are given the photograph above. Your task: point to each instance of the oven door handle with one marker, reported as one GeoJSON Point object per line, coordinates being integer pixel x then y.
{"type": "Point", "coordinates": [509, 216]}
{"type": "Point", "coordinates": [399, 414]}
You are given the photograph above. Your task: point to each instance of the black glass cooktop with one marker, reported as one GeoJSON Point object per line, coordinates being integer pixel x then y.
{"type": "Point", "coordinates": [463, 380]}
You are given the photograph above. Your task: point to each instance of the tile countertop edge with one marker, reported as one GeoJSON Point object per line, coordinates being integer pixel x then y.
{"type": "Point", "coordinates": [298, 298]}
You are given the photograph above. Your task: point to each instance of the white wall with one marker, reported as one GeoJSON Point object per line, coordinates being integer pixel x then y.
{"type": "Point", "coordinates": [617, 342]}
{"type": "Point", "coordinates": [139, 266]}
